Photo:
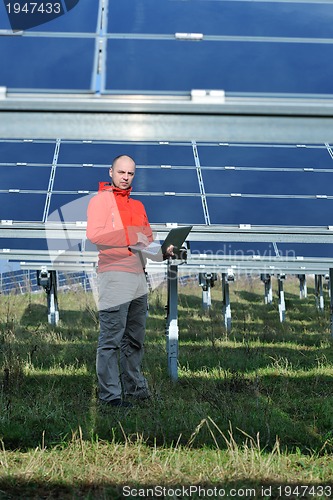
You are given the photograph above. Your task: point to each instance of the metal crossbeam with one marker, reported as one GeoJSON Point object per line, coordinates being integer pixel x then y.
{"type": "Point", "coordinates": [69, 234]}
{"type": "Point", "coordinates": [195, 264]}
{"type": "Point", "coordinates": [214, 232]}
{"type": "Point", "coordinates": [256, 118]}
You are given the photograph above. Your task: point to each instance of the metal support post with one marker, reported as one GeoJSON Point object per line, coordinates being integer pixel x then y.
{"type": "Point", "coordinates": [327, 280]}
{"type": "Point", "coordinates": [226, 308]}
{"type": "Point", "coordinates": [282, 304]}
{"type": "Point", "coordinates": [319, 292]}
{"type": "Point", "coordinates": [52, 300]}
{"type": "Point", "coordinates": [172, 321]}
{"type": "Point", "coordinates": [206, 281]}
{"type": "Point", "coordinates": [303, 290]}
{"type": "Point", "coordinates": [267, 280]}
{"type": "Point", "coordinates": [48, 280]}
{"type": "Point", "coordinates": [331, 298]}
{"type": "Point", "coordinates": [206, 298]}
{"type": "Point", "coordinates": [206, 294]}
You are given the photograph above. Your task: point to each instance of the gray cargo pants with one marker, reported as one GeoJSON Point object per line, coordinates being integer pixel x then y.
{"type": "Point", "coordinates": [122, 316]}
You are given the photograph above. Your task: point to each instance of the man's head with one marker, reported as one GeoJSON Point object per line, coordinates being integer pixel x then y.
{"type": "Point", "coordinates": [122, 171]}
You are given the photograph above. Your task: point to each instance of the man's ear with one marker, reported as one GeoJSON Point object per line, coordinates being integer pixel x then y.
{"type": "Point", "coordinates": [110, 172]}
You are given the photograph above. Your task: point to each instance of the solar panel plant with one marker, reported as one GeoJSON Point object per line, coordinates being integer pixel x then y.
{"type": "Point", "coordinates": [226, 107]}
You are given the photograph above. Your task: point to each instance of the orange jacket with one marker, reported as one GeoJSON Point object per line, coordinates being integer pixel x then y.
{"type": "Point", "coordinates": [113, 222]}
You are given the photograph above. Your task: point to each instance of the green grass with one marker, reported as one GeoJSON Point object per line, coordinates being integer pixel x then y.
{"type": "Point", "coordinates": [251, 408]}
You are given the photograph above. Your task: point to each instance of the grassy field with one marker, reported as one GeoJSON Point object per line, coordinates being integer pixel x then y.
{"type": "Point", "coordinates": [251, 413]}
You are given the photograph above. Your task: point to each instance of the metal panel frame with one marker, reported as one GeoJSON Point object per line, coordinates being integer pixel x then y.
{"type": "Point", "coordinates": [72, 260]}
{"type": "Point", "coordinates": [256, 118]}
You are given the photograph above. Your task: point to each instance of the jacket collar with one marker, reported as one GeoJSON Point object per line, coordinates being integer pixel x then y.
{"type": "Point", "coordinates": [121, 192]}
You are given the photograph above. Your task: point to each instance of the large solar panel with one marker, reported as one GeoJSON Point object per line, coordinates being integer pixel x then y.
{"type": "Point", "coordinates": [160, 63]}
{"type": "Point", "coordinates": [178, 66]}
{"type": "Point", "coordinates": [240, 41]}
{"type": "Point", "coordinates": [175, 45]}
{"type": "Point", "coordinates": [260, 184]}
{"type": "Point", "coordinates": [277, 185]}
{"type": "Point", "coordinates": [46, 63]}
{"type": "Point", "coordinates": [219, 17]}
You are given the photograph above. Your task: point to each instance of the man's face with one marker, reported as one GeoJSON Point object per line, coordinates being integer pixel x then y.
{"type": "Point", "coordinates": [122, 172]}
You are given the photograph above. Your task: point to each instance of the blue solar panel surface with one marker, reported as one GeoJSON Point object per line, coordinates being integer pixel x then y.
{"type": "Point", "coordinates": [26, 178]}
{"type": "Point", "coordinates": [242, 184]}
{"type": "Point", "coordinates": [232, 66]}
{"type": "Point", "coordinates": [145, 153]}
{"type": "Point", "coordinates": [249, 182]}
{"type": "Point", "coordinates": [46, 63]}
{"type": "Point", "coordinates": [27, 152]}
{"type": "Point", "coordinates": [246, 47]}
{"type": "Point", "coordinates": [22, 206]}
{"type": "Point", "coordinates": [266, 156]}
{"type": "Point", "coordinates": [213, 17]}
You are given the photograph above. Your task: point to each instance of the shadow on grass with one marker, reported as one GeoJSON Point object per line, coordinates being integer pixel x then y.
{"type": "Point", "coordinates": [50, 409]}
{"type": "Point", "coordinates": [296, 409]}
{"type": "Point", "coordinates": [46, 408]}
{"type": "Point", "coordinates": [302, 316]}
{"type": "Point", "coordinates": [20, 488]}
{"type": "Point", "coordinates": [243, 488]}
{"type": "Point", "coordinates": [36, 314]}
{"type": "Point", "coordinates": [248, 358]}
{"type": "Point", "coordinates": [164, 424]}
{"type": "Point", "coordinates": [251, 297]}
{"type": "Point", "coordinates": [258, 386]}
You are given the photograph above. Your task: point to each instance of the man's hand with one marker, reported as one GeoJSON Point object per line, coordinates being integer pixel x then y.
{"type": "Point", "coordinates": [169, 251]}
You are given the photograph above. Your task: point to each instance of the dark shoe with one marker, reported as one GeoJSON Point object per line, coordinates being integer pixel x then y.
{"type": "Point", "coordinates": [120, 403]}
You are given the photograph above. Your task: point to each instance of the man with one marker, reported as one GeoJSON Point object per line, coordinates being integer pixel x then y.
{"type": "Point", "coordinates": [115, 223]}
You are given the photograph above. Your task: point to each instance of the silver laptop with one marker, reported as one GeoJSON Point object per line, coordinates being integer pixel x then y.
{"type": "Point", "coordinates": [176, 237]}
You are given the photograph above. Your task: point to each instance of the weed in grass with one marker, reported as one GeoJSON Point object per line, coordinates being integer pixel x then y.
{"type": "Point", "coordinates": [247, 456]}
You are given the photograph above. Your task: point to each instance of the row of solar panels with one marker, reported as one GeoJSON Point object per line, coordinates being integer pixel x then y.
{"type": "Point", "coordinates": [212, 17]}
{"type": "Point", "coordinates": [172, 46]}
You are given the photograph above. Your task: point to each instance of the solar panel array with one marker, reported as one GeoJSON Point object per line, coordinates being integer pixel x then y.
{"type": "Point", "coordinates": [174, 46]}
{"type": "Point", "coordinates": [164, 50]}
{"type": "Point", "coordinates": [187, 183]}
